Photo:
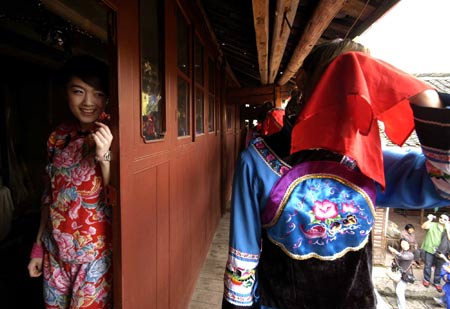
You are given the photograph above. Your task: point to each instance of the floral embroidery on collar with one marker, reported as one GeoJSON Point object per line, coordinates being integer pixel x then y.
{"type": "Point", "coordinates": [269, 156]}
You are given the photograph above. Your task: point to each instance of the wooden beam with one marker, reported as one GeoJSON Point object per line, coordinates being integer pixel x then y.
{"type": "Point", "coordinates": [251, 91]}
{"type": "Point", "coordinates": [277, 96]}
{"type": "Point", "coordinates": [284, 18]}
{"type": "Point", "coordinates": [231, 74]}
{"type": "Point", "coordinates": [322, 17]}
{"type": "Point", "coordinates": [261, 22]}
{"type": "Point", "coordinates": [259, 95]}
{"type": "Point", "coordinates": [209, 28]}
{"type": "Point", "coordinates": [63, 10]}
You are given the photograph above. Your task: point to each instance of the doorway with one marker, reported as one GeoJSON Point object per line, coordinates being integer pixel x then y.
{"type": "Point", "coordinates": [37, 38]}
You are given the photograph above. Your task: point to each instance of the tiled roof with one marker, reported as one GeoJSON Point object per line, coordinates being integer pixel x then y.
{"type": "Point", "coordinates": [439, 80]}
{"type": "Point", "coordinates": [442, 83]}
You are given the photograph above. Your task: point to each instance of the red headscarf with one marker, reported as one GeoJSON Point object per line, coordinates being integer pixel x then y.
{"type": "Point", "coordinates": [355, 91]}
{"type": "Point", "coordinates": [273, 122]}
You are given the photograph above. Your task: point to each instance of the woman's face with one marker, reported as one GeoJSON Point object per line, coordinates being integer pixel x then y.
{"type": "Point", "coordinates": [85, 102]}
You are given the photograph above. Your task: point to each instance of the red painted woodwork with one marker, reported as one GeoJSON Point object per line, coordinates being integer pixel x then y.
{"type": "Point", "coordinates": [170, 192]}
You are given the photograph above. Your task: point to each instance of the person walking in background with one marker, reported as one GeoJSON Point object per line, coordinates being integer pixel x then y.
{"type": "Point", "coordinates": [409, 233]}
{"type": "Point", "coordinates": [73, 248]}
{"type": "Point", "coordinates": [433, 236]}
{"type": "Point", "coordinates": [405, 259]}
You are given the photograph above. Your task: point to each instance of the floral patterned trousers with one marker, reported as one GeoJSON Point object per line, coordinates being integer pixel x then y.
{"type": "Point", "coordinates": [70, 286]}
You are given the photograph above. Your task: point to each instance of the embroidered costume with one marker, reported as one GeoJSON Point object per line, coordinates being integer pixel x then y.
{"type": "Point", "coordinates": [78, 235]}
{"type": "Point", "coordinates": [300, 235]}
{"type": "Point", "coordinates": [445, 275]}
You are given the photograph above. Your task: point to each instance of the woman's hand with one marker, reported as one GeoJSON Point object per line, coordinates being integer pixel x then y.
{"type": "Point", "coordinates": [103, 139]}
{"type": "Point", "coordinates": [35, 267]}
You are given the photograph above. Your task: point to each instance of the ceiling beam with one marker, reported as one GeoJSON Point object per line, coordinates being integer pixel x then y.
{"type": "Point", "coordinates": [324, 13]}
{"type": "Point", "coordinates": [261, 22]}
{"type": "Point", "coordinates": [258, 95]}
{"type": "Point", "coordinates": [284, 18]}
{"type": "Point", "coordinates": [67, 12]}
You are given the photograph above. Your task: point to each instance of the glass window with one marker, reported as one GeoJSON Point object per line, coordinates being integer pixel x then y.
{"type": "Point", "coordinates": [152, 99]}
{"type": "Point", "coordinates": [211, 76]}
{"type": "Point", "coordinates": [199, 126]}
{"type": "Point", "coordinates": [184, 76]}
{"type": "Point", "coordinates": [211, 102]}
{"type": "Point", "coordinates": [198, 49]}
{"type": "Point", "coordinates": [211, 113]}
{"type": "Point", "coordinates": [182, 43]}
{"type": "Point", "coordinates": [183, 108]}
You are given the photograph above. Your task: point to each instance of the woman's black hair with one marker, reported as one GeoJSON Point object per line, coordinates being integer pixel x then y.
{"type": "Point", "coordinates": [320, 57]}
{"type": "Point", "coordinates": [409, 226]}
{"type": "Point", "coordinates": [89, 69]}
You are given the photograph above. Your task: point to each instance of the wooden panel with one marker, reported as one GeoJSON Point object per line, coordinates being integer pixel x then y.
{"type": "Point", "coordinates": [379, 237]}
{"type": "Point", "coordinates": [162, 235]}
{"type": "Point", "coordinates": [139, 243]}
{"type": "Point", "coordinates": [194, 184]}
{"type": "Point", "coordinates": [169, 196]}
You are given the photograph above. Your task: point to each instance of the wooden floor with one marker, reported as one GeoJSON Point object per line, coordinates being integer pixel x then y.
{"type": "Point", "coordinates": [209, 289]}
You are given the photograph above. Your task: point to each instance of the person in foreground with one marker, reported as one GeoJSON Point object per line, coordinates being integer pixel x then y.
{"type": "Point", "coordinates": [300, 226]}
{"type": "Point", "coordinates": [73, 244]}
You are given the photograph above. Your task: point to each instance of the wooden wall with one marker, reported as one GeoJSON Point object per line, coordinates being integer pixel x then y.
{"type": "Point", "coordinates": [379, 235]}
{"type": "Point", "coordinates": [170, 191]}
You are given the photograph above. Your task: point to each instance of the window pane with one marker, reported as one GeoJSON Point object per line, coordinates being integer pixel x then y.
{"type": "Point", "coordinates": [211, 113]}
{"type": "Point", "coordinates": [198, 50]}
{"type": "Point", "coordinates": [211, 76]}
{"type": "Point", "coordinates": [182, 43]}
{"type": "Point", "coordinates": [199, 112]}
{"type": "Point", "coordinates": [183, 108]}
{"type": "Point", "coordinates": [152, 103]}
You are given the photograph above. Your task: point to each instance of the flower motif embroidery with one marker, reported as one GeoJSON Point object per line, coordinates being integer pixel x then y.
{"type": "Point", "coordinates": [283, 169]}
{"type": "Point", "coordinates": [277, 165]}
{"type": "Point", "coordinates": [325, 210]}
{"type": "Point", "coordinates": [346, 207]}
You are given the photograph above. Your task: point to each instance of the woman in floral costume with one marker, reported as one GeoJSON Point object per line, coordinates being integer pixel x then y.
{"type": "Point", "coordinates": [300, 231]}
{"type": "Point", "coordinates": [73, 244]}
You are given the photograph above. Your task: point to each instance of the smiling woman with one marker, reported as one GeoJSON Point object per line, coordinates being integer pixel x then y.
{"type": "Point", "coordinates": [74, 242]}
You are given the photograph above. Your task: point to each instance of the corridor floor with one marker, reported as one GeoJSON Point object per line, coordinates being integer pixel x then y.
{"type": "Point", "coordinates": [209, 289]}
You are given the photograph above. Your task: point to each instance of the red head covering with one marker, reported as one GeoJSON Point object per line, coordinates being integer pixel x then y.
{"type": "Point", "coordinates": [355, 91]}
{"type": "Point", "coordinates": [273, 122]}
